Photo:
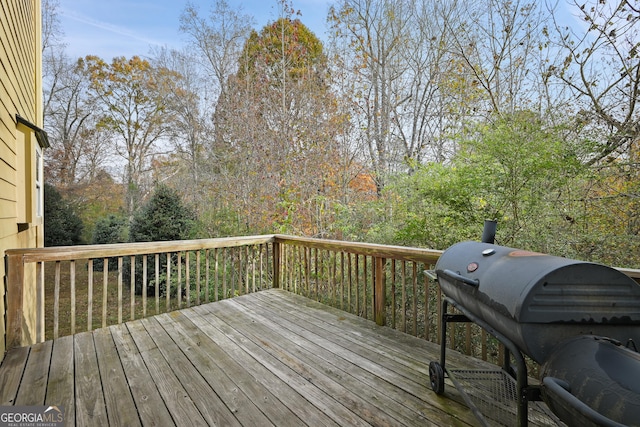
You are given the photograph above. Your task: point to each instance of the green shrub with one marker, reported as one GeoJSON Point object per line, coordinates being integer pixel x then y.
{"type": "Point", "coordinates": [62, 226]}
{"type": "Point", "coordinates": [163, 218]}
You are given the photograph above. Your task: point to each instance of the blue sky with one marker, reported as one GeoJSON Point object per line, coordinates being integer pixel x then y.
{"type": "Point", "coordinates": [109, 28]}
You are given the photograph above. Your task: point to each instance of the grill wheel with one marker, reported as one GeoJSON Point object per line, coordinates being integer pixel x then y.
{"type": "Point", "coordinates": [436, 376]}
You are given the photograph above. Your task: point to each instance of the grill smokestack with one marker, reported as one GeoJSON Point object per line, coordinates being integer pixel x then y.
{"type": "Point", "coordinates": [489, 231]}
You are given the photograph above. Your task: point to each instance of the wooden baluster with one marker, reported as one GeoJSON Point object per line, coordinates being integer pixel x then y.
{"type": "Point", "coordinates": [349, 283]}
{"type": "Point", "coordinates": [90, 295]}
{"type": "Point", "coordinates": [253, 268]}
{"type": "Point", "coordinates": [317, 278]}
{"type": "Point", "coordinates": [132, 287]}
{"type": "Point", "coordinates": [144, 286]}
{"type": "Point", "coordinates": [393, 293]}
{"type": "Point", "coordinates": [426, 304]}
{"type": "Point", "coordinates": [105, 282]}
{"type": "Point", "coordinates": [206, 279]}
{"type": "Point", "coordinates": [224, 273]}
{"type": "Point", "coordinates": [357, 263]}
{"type": "Point", "coordinates": [157, 287]}
{"type": "Point", "coordinates": [380, 292]}
{"type": "Point", "coordinates": [216, 276]}
{"type": "Point", "coordinates": [40, 331]}
{"type": "Point", "coordinates": [415, 299]}
{"type": "Point", "coordinates": [56, 302]}
{"type": "Point", "coordinates": [198, 260]}
{"type": "Point", "coordinates": [72, 284]}
{"type": "Point", "coordinates": [120, 289]}
{"type": "Point", "coordinates": [187, 278]}
{"type": "Point", "coordinates": [168, 286]}
{"type": "Point", "coordinates": [179, 280]}
{"type": "Point", "coordinates": [246, 269]}
{"type": "Point", "coordinates": [364, 296]}
{"type": "Point", "coordinates": [341, 296]}
{"type": "Point", "coordinates": [403, 281]}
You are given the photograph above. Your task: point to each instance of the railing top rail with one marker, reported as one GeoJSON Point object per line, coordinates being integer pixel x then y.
{"type": "Point", "coordinates": [67, 253]}
{"type": "Point", "coordinates": [429, 256]}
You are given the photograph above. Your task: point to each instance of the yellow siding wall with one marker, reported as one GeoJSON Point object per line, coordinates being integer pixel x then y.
{"type": "Point", "coordinates": [20, 94]}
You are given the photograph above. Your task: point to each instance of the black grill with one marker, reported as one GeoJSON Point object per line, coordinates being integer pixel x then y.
{"type": "Point", "coordinates": [562, 313]}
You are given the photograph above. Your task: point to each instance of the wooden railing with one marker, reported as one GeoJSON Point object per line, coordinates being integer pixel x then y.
{"type": "Point", "coordinates": [63, 290]}
{"type": "Point", "coordinates": [379, 282]}
{"type": "Point", "coordinates": [387, 284]}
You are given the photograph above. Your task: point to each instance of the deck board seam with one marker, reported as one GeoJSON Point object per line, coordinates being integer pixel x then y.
{"type": "Point", "coordinates": [225, 329]}
{"type": "Point", "coordinates": [330, 386]}
{"type": "Point", "coordinates": [205, 323]}
{"type": "Point", "coordinates": [266, 358]}
{"type": "Point", "coordinates": [339, 412]}
{"type": "Point", "coordinates": [13, 357]}
{"type": "Point", "coordinates": [412, 388]}
{"type": "Point", "coordinates": [367, 381]}
{"type": "Point", "coordinates": [179, 329]}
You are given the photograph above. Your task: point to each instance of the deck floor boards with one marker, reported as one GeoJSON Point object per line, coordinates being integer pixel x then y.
{"type": "Point", "coordinates": [267, 358]}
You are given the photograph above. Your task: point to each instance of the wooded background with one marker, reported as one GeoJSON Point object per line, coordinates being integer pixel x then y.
{"type": "Point", "coordinates": [408, 122]}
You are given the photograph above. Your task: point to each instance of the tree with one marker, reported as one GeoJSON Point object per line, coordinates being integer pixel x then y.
{"type": "Point", "coordinates": [217, 41]}
{"type": "Point", "coordinates": [499, 42]}
{"type": "Point", "coordinates": [598, 66]}
{"type": "Point", "coordinates": [377, 32]}
{"type": "Point", "coordinates": [62, 226]}
{"type": "Point", "coordinates": [95, 199]}
{"type": "Point", "coordinates": [190, 131]}
{"type": "Point", "coordinates": [107, 230]}
{"type": "Point", "coordinates": [162, 218]}
{"type": "Point", "coordinates": [110, 229]}
{"type": "Point", "coordinates": [135, 99]}
{"type": "Point", "coordinates": [529, 187]}
{"type": "Point", "coordinates": [70, 120]}
{"type": "Point", "coordinates": [406, 90]}
{"type": "Point", "coordinates": [79, 150]}
{"type": "Point", "coordinates": [52, 31]}
{"type": "Point", "coordinates": [601, 66]}
{"type": "Point", "coordinates": [278, 128]}
{"type": "Point", "coordinates": [524, 185]}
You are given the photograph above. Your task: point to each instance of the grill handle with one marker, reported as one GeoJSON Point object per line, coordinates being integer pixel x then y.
{"type": "Point", "coordinates": [459, 277]}
{"type": "Point", "coordinates": [555, 392]}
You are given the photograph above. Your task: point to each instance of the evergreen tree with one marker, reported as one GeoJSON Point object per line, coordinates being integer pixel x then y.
{"type": "Point", "coordinates": [62, 226]}
{"type": "Point", "coordinates": [109, 229]}
{"type": "Point", "coordinates": [164, 217]}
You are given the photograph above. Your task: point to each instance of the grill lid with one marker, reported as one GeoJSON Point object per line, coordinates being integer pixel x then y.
{"type": "Point", "coordinates": [531, 287]}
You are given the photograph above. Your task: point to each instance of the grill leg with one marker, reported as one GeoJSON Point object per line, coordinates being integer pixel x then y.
{"type": "Point", "coordinates": [443, 334]}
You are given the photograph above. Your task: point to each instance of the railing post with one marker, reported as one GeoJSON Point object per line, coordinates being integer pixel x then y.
{"type": "Point", "coordinates": [40, 332]}
{"type": "Point", "coordinates": [276, 264]}
{"type": "Point", "coordinates": [380, 292]}
{"type": "Point", "coordinates": [14, 273]}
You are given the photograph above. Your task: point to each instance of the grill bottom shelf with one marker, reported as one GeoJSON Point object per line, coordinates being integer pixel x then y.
{"type": "Point", "coordinates": [495, 395]}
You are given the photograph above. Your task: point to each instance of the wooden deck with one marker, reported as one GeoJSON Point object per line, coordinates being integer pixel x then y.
{"type": "Point", "coordinates": [268, 358]}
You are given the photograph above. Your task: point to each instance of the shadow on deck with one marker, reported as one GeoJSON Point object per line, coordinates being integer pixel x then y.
{"type": "Point", "coordinates": [267, 358]}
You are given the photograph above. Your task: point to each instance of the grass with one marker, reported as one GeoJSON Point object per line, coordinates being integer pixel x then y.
{"type": "Point", "coordinates": [82, 299]}
{"type": "Point", "coordinates": [232, 281]}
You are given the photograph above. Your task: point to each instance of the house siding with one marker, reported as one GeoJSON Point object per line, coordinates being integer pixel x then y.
{"type": "Point", "coordinates": [20, 94]}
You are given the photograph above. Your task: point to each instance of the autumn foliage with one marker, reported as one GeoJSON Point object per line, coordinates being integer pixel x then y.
{"type": "Point", "coordinates": [407, 122]}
